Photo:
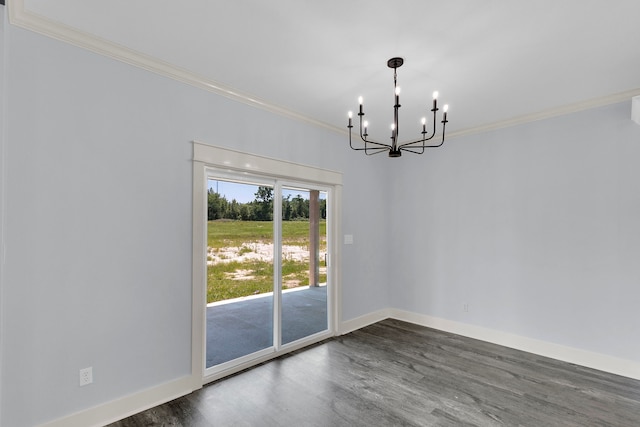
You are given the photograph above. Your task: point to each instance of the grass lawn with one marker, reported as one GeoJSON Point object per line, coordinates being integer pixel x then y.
{"type": "Point", "coordinates": [222, 285]}
{"type": "Point", "coordinates": [223, 233]}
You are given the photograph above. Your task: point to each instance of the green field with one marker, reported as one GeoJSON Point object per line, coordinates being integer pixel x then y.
{"type": "Point", "coordinates": [223, 234]}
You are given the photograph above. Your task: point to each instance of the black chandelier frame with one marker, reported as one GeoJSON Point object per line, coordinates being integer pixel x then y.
{"type": "Point", "coordinates": [395, 149]}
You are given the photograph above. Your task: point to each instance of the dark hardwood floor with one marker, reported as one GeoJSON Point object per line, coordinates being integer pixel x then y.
{"type": "Point", "coordinates": [399, 374]}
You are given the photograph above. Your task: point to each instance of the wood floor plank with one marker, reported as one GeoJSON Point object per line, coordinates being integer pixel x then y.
{"type": "Point", "coordinates": [395, 373]}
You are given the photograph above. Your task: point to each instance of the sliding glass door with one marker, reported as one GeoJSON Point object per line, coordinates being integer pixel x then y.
{"type": "Point", "coordinates": [240, 247]}
{"type": "Point", "coordinates": [304, 268]}
{"type": "Point", "coordinates": [267, 253]}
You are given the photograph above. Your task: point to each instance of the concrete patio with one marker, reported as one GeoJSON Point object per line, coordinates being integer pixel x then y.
{"type": "Point", "coordinates": [243, 326]}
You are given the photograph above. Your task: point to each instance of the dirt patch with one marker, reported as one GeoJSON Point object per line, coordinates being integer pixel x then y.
{"type": "Point", "coordinates": [240, 275]}
{"type": "Point", "coordinates": [256, 251]}
{"type": "Point", "coordinates": [289, 281]}
{"type": "Point", "coordinates": [261, 252]}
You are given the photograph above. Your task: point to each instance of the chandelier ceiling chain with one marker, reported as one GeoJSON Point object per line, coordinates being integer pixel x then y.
{"type": "Point", "coordinates": [395, 149]}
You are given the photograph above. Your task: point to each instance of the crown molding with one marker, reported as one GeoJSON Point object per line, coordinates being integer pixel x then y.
{"type": "Point", "coordinates": [20, 17]}
{"type": "Point", "coordinates": [550, 113]}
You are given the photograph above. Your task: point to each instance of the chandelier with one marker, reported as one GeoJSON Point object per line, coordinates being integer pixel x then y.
{"type": "Point", "coordinates": [395, 149]}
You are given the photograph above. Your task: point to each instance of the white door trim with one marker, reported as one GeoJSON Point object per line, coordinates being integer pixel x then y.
{"type": "Point", "coordinates": [207, 157]}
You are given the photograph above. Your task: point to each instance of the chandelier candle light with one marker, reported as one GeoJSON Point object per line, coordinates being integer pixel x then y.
{"type": "Point", "coordinates": [395, 149]}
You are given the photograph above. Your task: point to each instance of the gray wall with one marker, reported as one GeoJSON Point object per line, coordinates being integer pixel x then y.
{"type": "Point", "coordinates": [98, 222]}
{"type": "Point", "coordinates": [536, 227]}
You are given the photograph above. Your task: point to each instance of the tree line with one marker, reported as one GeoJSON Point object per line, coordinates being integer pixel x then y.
{"type": "Point", "coordinates": [261, 208]}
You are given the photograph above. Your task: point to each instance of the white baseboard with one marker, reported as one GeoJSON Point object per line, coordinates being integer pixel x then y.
{"type": "Point", "coordinates": [362, 321]}
{"type": "Point", "coordinates": [132, 404]}
{"type": "Point", "coordinates": [121, 408]}
{"type": "Point", "coordinates": [602, 362]}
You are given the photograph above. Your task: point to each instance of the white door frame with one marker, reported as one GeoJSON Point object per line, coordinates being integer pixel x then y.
{"type": "Point", "coordinates": [206, 157]}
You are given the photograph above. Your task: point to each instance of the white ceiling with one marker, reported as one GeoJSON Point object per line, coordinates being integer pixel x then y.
{"type": "Point", "coordinates": [495, 62]}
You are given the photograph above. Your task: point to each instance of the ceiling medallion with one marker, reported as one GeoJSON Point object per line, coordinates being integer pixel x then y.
{"type": "Point", "coordinates": [395, 149]}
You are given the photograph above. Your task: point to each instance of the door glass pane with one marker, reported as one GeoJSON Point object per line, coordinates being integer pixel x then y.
{"type": "Point", "coordinates": [304, 270]}
{"type": "Point", "coordinates": [239, 270]}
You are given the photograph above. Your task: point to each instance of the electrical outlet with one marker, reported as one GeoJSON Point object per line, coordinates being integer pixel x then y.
{"type": "Point", "coordinates": [465, 307]}
{"type": "Point", "coordinates": [86, 376]}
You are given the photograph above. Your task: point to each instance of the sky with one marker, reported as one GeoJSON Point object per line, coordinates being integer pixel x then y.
{"type": "Point", "coordinates": [244, 193]}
